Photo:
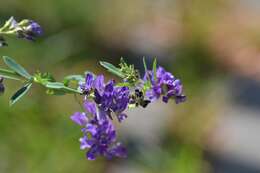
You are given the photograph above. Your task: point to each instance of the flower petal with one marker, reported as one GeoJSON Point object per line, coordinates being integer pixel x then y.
{"type": "Point", "coordinates": [79, 118]}
{"type": "Point", "coordinates": [90, 107]}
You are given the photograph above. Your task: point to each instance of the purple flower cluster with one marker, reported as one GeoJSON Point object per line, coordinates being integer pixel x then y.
{"type": "Point", "coordinates": [99, 132]}
{"type": "Point", "coordinates": [99, 135]}
{"type": "Point", "coordinates": [109, 98]}
{"type": "Point", "coordinates": [103, 101]}
{"type": "Point", "coordinates": [27, 29]}
{"type": "Point", "coordinates": [164, 84]}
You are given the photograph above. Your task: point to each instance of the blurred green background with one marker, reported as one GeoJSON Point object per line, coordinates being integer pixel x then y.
{"type": "Point", "coordinates": [212, 46]}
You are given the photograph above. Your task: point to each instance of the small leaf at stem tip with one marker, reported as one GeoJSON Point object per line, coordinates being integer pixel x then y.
{"type": "Point", "coordinates": [16, 67]}
{"type": "Point", "coordinates": [111, 68]}
{"type": "Point", "coordinates": [145, 66]}
{"type": "Point", "coordinates": [20, 93]}
{"type": "Point", "coordinates": [155, 68]}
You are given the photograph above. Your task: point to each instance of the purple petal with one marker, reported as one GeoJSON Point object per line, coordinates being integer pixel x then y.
{"type": "Point", "coordinates": [119, 150]}
{"type": "Point", "coordinates": [98, 97]}
{"type": "Point", "coordinates": [14, 23]}
{"type": "Point", "coordinates": [101, 116]}
{"type": "Point", "coordinates": [99, 83]}
{"type": "Point", "coordinates": [35, 28]}
{"type": "Point", "coordinates": [121, 117]}
{"type": "Point", "coordinates": [92, 129]}
{"type": "Point", "coordinates": [90, 155]}
{"type": "Point", "coordinates": [180, 99]}
{"type": "Point", "coordinates": [110, 86]}
{"type": "Point", "coordinates": [165, 99]}
{"type": "Point", "coordinates": [85, 143]}
{"type": "Point", "coordinates": [89, 81]}
{"type": "Point", "coordinates": [79, 118]}
{"type": "Point", "coordinates": [90, 107]}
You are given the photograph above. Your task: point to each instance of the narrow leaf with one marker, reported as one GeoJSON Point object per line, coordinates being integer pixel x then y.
{"type": "Point", "coordinates": [145, 66]}
{"type": "Point", "coordinates": [20, 93]}
{"type": "Point", "coordinates": [146, 71]}
{"type": "Point", "coordinates": [8, 74]}
{"type": "Point", "coordinates": [16, 67]}
{"type": "Point", "coordinates": [155, 68]}
{"type": "Point", "coordinates": [54, 85]}
{"type": "Point", "coordinates": [9, 77]}
{"type": "Point", "coordinates": [111, 68]}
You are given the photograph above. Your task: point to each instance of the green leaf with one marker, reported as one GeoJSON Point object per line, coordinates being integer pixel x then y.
{"type": "Point", "coordinates": [111, 68]}
{"type": "Point", "coordinates": [155, 68]}
{"type": "Point", "coordinates": [60, 86]}
{"type": "Point", "coordinates": [9, 74]}
{"type": "Point", "coordinates": [7, 24]}
{"type": "Point", "coordinates": [9, 77]}
{"type": "Point", "coordinates": [54, 85]}
{"type": "Point", "coordinates": [20, 93]}
{"type": "Point", "coordinates": [16, 67]}
{"type": "Point", "coordinates": [145, 66]}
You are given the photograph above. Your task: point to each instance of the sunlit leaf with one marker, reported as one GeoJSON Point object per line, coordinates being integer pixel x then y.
{"type": "Point", "coordinates": [16, 67]}
{"type": "Point", "coordinates": [8, 74]}
{"type": "Point", "coordinates": [145, 66]}
{"type": "Point", "coordinates": [111, 68]}
{"type": "Point", "coordinates": [155, 68]}
{"type": "Point", "coordinates": [9, 77]}
{"type": "Point", "coordinates": [20, 93]}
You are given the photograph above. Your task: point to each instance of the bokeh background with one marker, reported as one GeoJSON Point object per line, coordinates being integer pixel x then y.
{"type": "Point", "coordinates": [212, 45]}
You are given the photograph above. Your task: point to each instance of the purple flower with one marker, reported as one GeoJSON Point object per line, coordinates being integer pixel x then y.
{"type": "Point", "coordinates": [91, 83]}
{"type": "Point", "coordinates": [108, 97]}
{"type": "Point", "coordinates": [121, 117]}
{"type": "Point", "coordinates": [103, 100]}
{"type": "Point", "coordinates": [166, 85]}
{"type": "Point", "coordinates": [79, 118]}
{"type": "Point", "coordinates": [113, 99]}
{"type": "Point", "coordinates": [34, 29]}
{"type": "Point", "coordinates": [27, 29]}
{"type": "Point", "coordinates": [31, 31]}
{"type": "Point", "coordinates": [99, 136]}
